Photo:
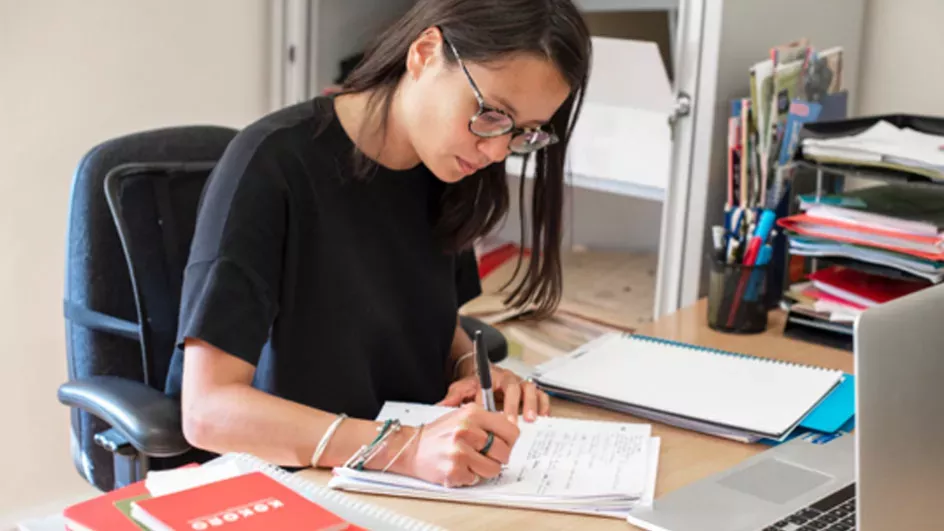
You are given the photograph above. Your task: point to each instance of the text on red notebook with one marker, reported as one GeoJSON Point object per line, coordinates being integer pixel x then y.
{"type": "Point", "coordinates": [250, 502]}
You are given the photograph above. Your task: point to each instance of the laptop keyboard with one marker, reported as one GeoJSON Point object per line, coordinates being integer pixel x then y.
{"type": "Point", "coordinates": [835, 512]}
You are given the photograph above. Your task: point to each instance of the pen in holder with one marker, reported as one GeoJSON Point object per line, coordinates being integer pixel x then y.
{"type": "Point", "coordinates": [736, 297]}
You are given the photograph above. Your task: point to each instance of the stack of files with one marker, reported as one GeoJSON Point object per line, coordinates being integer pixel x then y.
{"type": "Point", "coordinates": [834, 296]}
{"type": "Point", "coordinates": [898, 227]}
{"type": "Point", "coordinates": [915, 245]}
{"type": "Point", "coordinates": [821, 304]}
{"type": "Point", "coordinates": [886, 262]}
{"type": "Point", "coordinates": [557, 464]}
{"type": "Point", "coordinates": [730, 395]}
{"type": "Point", "coordinates": [907, 209]}
{"type": "Point", "coordinates": [883, 145]}
{"type": "Point", "coordinates": [854, 288]}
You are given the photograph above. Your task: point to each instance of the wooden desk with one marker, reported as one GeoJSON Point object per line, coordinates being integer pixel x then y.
{"type": "Point", "coordinates": [686, 456]}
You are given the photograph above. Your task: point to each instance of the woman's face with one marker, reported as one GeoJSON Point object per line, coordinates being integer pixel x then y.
{"type": "Point", "coordinates": [439, 102]}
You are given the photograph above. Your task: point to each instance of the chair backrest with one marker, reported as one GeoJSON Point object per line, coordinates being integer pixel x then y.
{"type": "Point", "coordinates": [132, 215]}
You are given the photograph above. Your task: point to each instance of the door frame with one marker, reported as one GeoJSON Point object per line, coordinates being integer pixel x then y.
{"type": "Point", "coordinates": [706, 127]}
{"type": "Point", "coordinates": [681, 234]}
{"type": "Point", "coordinates": [291, 51]}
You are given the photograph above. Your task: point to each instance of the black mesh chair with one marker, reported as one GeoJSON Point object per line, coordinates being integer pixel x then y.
{"type": "Point", "coordinates": [132, 216]}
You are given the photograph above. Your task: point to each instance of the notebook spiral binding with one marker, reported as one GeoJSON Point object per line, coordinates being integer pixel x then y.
{"type": "Point", "coordinates": [709, 350]}
{"type": "Point", "coordinates": [330, 497]}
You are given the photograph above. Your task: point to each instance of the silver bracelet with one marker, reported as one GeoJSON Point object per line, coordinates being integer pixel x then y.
{"type": "Point", "coordinates": [406, 445]}
{"type": "Point", "coordinates": [455, 368]}
{"type": "Point", "coordinates": [325, 439]}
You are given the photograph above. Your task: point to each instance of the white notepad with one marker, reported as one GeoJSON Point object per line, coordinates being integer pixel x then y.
{"type": "Point", "coordinates": [743, 393]}
{"type": "Point", "coordinates": [557, 464]}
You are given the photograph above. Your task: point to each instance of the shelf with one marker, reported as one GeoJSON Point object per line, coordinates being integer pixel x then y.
{"type": "Point", "coordinates": [623, 188]}
{"type": "Point", "coordinates": [609, 186]}
{"type": "Point", "coordinates": [590, 6]}
{"type": "Point", "coordinates": [860, 172]}
{"type": "Point", "coordinates": [807, 327]}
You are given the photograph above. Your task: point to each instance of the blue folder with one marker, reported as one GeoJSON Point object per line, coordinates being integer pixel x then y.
{"type": "Point", "coordinates": [834, 414]}
{"type": "Point", "coordinates": [835, 410]}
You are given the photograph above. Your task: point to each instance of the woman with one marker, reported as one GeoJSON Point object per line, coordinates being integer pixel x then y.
{"type": "Point", "coordinates": [322, 276]}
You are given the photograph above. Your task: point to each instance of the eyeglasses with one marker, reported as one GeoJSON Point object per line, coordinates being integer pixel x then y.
{"type": "Point", "coordinates": [490, 122]}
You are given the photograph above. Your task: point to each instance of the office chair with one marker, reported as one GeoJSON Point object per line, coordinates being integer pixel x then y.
{"type": "Point", "coordinates": [132, 215]}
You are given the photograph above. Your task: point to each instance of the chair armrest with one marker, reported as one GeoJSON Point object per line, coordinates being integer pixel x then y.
{"type": "Point", "coordinates": [147, 418]}
{"type": "Point", "coordinates": [495, 343]}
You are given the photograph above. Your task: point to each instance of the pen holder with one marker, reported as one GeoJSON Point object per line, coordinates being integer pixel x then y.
{"type": "Point", "coordinates": [737, 298]}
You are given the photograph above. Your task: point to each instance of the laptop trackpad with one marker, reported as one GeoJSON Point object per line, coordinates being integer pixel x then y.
{"type": "Point", "coordinates": [774, 481]}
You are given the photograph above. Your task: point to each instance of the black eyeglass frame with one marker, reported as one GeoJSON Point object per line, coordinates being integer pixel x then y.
{"type": "Point", "coordinates": [485, 108]}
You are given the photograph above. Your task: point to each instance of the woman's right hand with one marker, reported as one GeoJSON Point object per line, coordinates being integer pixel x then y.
{"type": "Point", "coordinates": [448, 451]}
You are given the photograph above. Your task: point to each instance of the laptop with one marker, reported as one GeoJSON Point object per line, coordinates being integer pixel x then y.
{"type": "Point", "coordinates": [887, 475]}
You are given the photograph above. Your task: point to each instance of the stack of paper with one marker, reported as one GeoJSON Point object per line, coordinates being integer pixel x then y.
{"type": "Point", "coordinates": [557, 464]}
{"type": "Point", "coordinates": [882, 145]}
{"type": "Point", "coordinates": [856, 288]}
{"type": "Point", "coordinates": [856, 233]}
{"type": "Point", "coordinates": [821, 304]}
{"type": "Point", "coordinates": [894, 228]}
{"type": "Point", "coordinates": [930, 270]}
{"type": "Point", "coordinates": [840, 294]}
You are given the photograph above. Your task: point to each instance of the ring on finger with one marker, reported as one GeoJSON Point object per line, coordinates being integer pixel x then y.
{"type": "Point", "coordinates": [489, 441]}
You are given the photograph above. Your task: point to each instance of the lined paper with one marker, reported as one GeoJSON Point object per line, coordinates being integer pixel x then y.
{"type": "Point", "coordinates": [560, 464]}
{"type": "Point", "coordinates": [559, 457]}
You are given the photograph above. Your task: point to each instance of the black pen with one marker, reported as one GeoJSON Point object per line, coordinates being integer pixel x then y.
{"type": "Point", "coordinates": [485, 373]}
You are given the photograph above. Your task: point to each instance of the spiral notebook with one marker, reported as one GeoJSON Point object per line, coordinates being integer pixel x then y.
{"type": "Point", "coordinates": [723, 393]}
{"type": "Point", "coordinates": [365, 515]}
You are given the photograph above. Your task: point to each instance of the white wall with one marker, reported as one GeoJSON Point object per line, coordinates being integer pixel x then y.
{"type": "Point", "coordinates": [902, 54]}
{"type": "Point", "coordinates": [73, 74]}
{"type": "Point", "coordinates": [344, 28]}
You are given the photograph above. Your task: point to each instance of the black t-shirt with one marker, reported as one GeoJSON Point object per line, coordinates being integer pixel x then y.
{"type": "Point", "coordinates": [333, 285]}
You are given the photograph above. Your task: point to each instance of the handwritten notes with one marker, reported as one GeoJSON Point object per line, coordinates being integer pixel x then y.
{"type": "Point", "coordinates": [554, 459]}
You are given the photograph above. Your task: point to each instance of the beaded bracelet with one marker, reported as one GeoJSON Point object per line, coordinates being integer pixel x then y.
{"type": "Point", "coordinates": [368, 451]}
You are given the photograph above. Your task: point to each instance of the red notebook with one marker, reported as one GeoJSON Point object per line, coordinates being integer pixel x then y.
{"type": "Point", "coordinates": [862, 288]}
{"type": "Point", "coordinates": [100, 513]}
{"type": "Point", "coordinates": [250, 502]}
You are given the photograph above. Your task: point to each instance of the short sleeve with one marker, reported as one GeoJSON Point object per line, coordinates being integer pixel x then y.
{"type": "Point", "coordinates": [468, 284]}
{"type": "Point", "coordinates": [231, 284]}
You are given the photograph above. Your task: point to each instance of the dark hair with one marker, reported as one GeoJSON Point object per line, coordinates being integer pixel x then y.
{"type": "Point", "coordinates": [484, 31]}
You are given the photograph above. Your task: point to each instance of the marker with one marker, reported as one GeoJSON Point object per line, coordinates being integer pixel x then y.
{"type": "Point", "coordinates": [485, 373]}
{"type": "Point", "coordinates": [717, 234]}
{"type": "Point", "coordinates": [761, 232]}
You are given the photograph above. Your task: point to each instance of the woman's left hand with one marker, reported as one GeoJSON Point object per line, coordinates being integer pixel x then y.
{"type": "Point", "coordinates": [511, 393]}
